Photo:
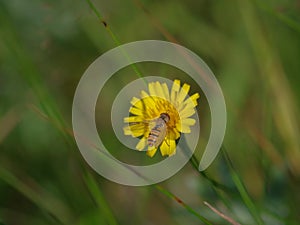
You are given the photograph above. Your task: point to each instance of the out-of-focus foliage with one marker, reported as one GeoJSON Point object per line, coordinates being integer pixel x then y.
{"type": "Point", "coordinates": [251, 46]}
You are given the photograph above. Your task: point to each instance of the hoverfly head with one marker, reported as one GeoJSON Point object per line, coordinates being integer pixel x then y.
{"type": "Point", "coordinates": [165, 117]}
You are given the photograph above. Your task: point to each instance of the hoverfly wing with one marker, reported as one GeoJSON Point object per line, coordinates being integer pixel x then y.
{"type": "Point", "coordinates": [162, 134]}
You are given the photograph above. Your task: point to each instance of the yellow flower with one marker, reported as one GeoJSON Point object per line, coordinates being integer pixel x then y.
{"type": "Point", "coordinates": [146, 116]}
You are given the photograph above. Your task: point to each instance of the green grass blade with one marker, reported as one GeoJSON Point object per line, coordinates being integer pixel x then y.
{"type": "Point", "coordinates": [99, 198]}
{"type": "Point", "coordinates": [114, 37]}
{"type": "Point", "coordinates": [22, 61]}
{"type": "Point", "coordinates": [183, 204]}
{"type": "Point", "coordinates": [242, 190]}
{"type": "Point", "coordinates": [280, 16]}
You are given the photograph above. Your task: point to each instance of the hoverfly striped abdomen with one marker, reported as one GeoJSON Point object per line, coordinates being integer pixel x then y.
{"type": "Point", "coordinates": [158, 132]}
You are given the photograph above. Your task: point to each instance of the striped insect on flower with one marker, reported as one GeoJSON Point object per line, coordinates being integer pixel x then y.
{"type": "Point", "coordinates": [160, 116]}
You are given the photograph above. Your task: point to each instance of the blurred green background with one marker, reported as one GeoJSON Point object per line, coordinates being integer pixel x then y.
{"type": "Point", "coordinates": [253, 48]}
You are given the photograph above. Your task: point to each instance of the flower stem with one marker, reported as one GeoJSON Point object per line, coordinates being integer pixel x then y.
{"type": "Point", "coordinates": [242, 190]}
{"type": "Point", "coordinates": [195, 162]}
{"type": "Point", "coordinates": [115, 38]}
{"type": "Point", "coordinates": [188, 208]}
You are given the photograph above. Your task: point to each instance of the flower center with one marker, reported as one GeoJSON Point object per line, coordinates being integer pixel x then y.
{"type": "Point", "coordinates": [164, 107]}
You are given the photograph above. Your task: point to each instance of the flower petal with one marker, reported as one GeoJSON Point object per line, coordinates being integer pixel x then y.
{"type": "Point", "coordinates": [183, 93]}
{"type": "Point", "coordinates": [135, 130]}
{"type": "Point", "coordinates": [168, 147]}
{"type": "Point", "coordinates": [190, 102]}
{"type": "Point", "coordinates": [186, 112]}
{"type": "Point", "coordinates": [151, 88]}
{"type": "Point", "coordinates": [136, 111]}
{"type": "Point", "coordinates": [166, 91]}
{"type": "Point", "coordinates": [174, 90]}
{"type": "Point", "coordinates": [172, 149]}
{"type": "Point", "coordinates": [151, 151]}
{"type": "Point", "coordinates": [127, 130]}
{"type": "Point", "coordinates": [144, 94]}
{"type": "Point", "coordinates": [177, 134]}
{"type": "Point", "coordinates": [148, 102]}
{"type": "Point", "coordinates": [188, 121]}
{"type": "Point", "coordinates": [164, 148]}
{"type": "Point", "coordinates": [172, 134]}
{"type": "Point", "coordinates": [159, 90]}
{"type": "Point", "coordinates": [185, 129]}
{"type": "Point", "coordinates": [142, 143]}
{"type": "Point", "coordinates": [176, 85]}
{"type": "Point", "coordinates": [151, 109]}
{"type": "Point", "coordinates": [133, 119]}
{"type": "Point", "coordinates": [194, 98]}
{"type": "Point", "coordinates": [136, 102]}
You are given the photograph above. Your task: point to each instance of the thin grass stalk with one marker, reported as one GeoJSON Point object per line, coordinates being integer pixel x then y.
{"type": "Point", "coordinates": [50, 111]}
{"type": "Point", "coordinates": [183, 204]}
{"type": "Point", "coordinates": [242, 190]}
{"type": "Point", "coordinates": [280, 16]}
{"type": "Point", "coordinates": [28, 71]}
{"type": "Point", "coordinates": [114, 38]}
{"type": "Point", "coordinates": [99, 198]}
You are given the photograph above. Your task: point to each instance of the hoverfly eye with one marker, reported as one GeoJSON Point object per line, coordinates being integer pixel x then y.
{"type": "Point", "coordinates": [165, 117]}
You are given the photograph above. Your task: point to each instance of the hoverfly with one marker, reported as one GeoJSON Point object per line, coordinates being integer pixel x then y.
{"type": "Point", "coordinates": [158, 132]}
